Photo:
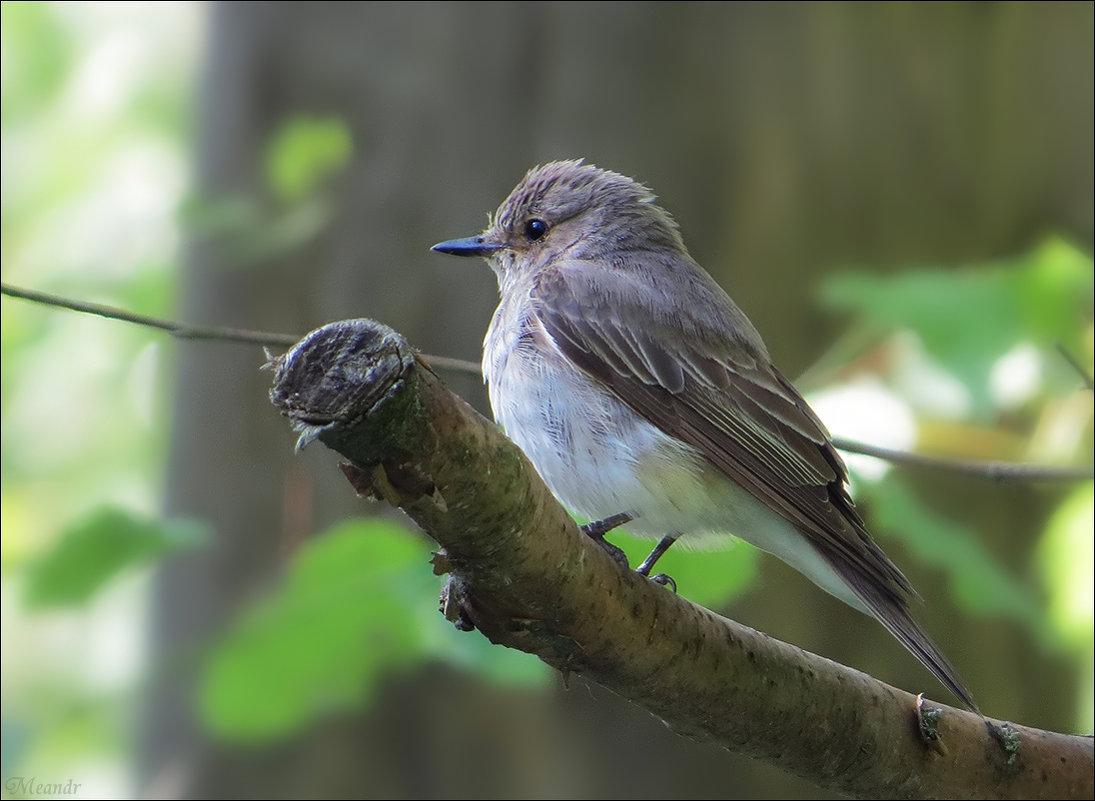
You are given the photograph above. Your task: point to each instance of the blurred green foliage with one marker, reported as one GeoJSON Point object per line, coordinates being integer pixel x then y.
{"type": "Point", "coordinates": [98, 548]}
{"type": "Point", "coordinates": [1066, 555]}
{"type": "Point", "coordinates": [358, 604]}
{"type": "Point", "coordinates": [302, 158]}
{"type": "Point", "coordinates": [94, 115]}
{"type": "Point", "coordinates": [968, 318]}
{"type": "Point", "coordinates": [969, 323]}
{"type": "Point", "coordinates": [344, 615]}
{"type": "Point", "coordinates": [978, 583]}
{"type": "Point", "coordinates": [304, 152]}
{"type": "Point", "coordinates": [43, 50]}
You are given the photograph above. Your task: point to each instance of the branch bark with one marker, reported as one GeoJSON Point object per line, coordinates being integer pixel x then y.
{"type": "Point", "coordinates": [522, 573]}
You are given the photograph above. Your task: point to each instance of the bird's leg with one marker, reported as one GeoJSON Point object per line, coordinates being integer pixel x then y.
{"type": "Point", "coordinates": [596, 529]}
{"type": "Point", "coordinates": [655, 555]}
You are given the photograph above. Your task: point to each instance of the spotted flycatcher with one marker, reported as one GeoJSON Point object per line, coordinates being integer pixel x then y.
{"type": "Point", "coordinates": [640, 391]}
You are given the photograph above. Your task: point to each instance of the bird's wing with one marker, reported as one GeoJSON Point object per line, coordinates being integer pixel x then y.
{"type": "Point", "coordinates": [719, 394]}
{"type": "Point", "coordinates": [690, 362]}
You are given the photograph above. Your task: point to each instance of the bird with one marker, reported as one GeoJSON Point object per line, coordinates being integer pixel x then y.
{"type": "Point", "coordinates": [641, 393]}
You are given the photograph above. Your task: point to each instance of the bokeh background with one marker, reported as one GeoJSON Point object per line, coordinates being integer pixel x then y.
{"type": "Point", "coordinates": [899, 195]}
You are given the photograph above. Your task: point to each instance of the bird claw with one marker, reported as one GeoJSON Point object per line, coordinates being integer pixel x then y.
{"type": "Point", "coordinates": [665, 580]}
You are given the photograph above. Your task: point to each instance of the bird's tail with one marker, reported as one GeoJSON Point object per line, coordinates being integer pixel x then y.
{"type": "Point", "coordinates": [890, 606]}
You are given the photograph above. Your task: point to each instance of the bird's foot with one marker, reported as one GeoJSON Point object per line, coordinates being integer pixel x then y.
{"type": "Point", "coordinates": [664, 579]}
{"type": "Point", "coordinates": [597, 529]}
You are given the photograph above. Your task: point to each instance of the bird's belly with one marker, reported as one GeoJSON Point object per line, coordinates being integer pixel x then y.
{"type": "Point", "coordinates": [599, 458]}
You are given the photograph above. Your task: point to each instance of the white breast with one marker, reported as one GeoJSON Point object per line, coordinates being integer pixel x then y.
{"type": "Point", "coordinates": [595, 454]}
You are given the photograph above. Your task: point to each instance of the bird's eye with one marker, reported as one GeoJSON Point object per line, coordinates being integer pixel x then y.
{"type": "Point", "coordinates": [535, 229]}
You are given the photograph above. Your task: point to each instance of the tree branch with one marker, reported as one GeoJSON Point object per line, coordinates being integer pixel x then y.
{"type": "Point", "coordinates": [996, 471]}
{"type": "Point", "coordinates": [177, 330]}
{"type": "Point", "coordinates": [523, 574]}
{"type": "Point", "coordinates": [1074, 363]}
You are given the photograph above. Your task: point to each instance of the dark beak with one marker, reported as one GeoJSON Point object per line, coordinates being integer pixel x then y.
{"type": "Point", "coordinates": [471, 246]}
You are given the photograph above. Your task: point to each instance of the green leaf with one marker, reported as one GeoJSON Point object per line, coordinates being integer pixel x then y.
{"type": "Point", "coordinates": [303, 153]}
{"type": "Point", "coordinates": [35, 41]}
{"type": "Point", "coordinates": [97, 549]}
{"type": "Point", "coordinates": [968, 318]}
{"type": "Point", "coordinates": [1066, 556]}
{"type": "Point", "coordinates": [349, 613]}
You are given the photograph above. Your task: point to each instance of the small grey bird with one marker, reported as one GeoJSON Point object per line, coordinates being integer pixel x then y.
{"type": "Point", "coordinates": [641, 392]}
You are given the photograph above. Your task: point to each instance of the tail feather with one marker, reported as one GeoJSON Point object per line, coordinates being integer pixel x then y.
{"type": "Point", "coordinates": [902, 625]}
{"type": "Point", "coordinates": [889, 605]}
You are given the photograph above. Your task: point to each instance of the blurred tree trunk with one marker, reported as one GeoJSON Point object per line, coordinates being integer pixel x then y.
{"type": "Point", "coordinates": [787, 139]}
